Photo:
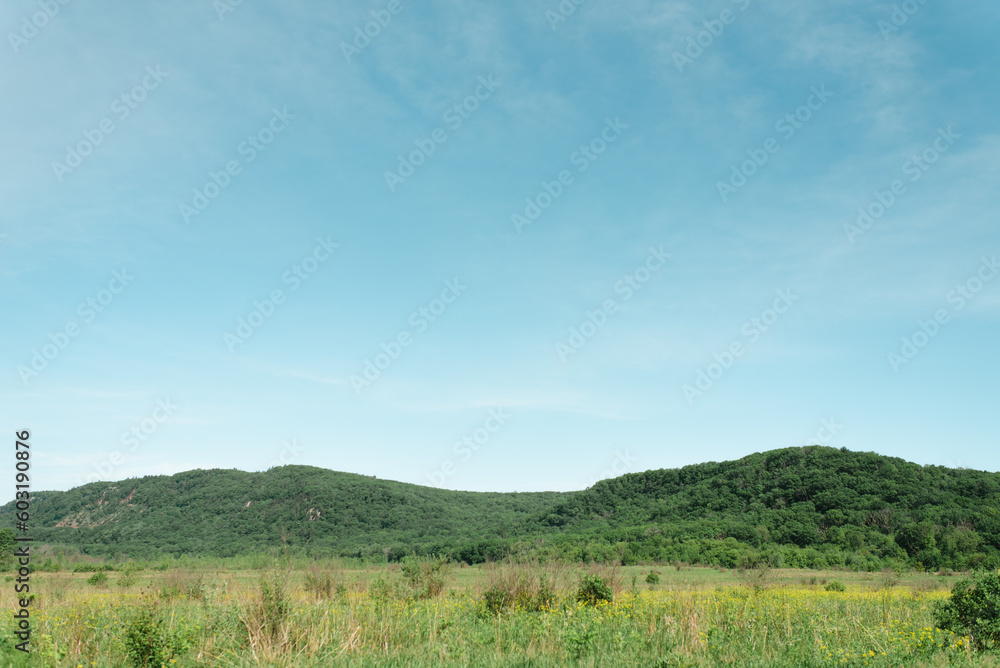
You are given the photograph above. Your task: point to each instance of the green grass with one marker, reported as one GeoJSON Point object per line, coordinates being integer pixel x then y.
{"type": "Point", "coordinates": [693, 617]}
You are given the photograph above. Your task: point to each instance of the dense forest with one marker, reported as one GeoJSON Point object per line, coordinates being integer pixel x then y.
{"type": "Point", "coordinates": [809, 507]}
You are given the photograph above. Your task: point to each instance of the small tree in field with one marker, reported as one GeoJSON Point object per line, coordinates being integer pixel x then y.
{"type": "Point", "coordinates": [974, 610]}
{"type": "Point", "coordinates": [593, 590]}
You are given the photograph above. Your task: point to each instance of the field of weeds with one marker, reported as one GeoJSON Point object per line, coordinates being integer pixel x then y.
{"type": "Point", "coordinates": [427, 613]}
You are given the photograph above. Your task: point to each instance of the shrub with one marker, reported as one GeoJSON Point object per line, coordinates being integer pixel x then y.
{"type": "Point", "coordinates": [653, 579]}
{"type": "Point", "coordinates": [496, 599]}
{"type": "Point", "coordinates": [98, 579]}
{"type": "Point", "coordinates": [146, 642]}
{"type": "Point", "coordinates": [521, 590]}
{"type": "Point", "coordinates": [50, 566]}
{"type": "Point", "coordinates": [756, 573]}
{"type": "Point", "coordinates": [129, 574]}
{"type": "Point", "coordinates": [426, 578]}
{"type": "Point", "coordinates": [594, 589]}
{"type": "Point", "coordinates": [835, 585]}
{"type": "Point", "coordinates": [974, 610]}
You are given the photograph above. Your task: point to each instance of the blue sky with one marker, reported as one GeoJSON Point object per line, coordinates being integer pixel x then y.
{"type": "Point", "coordinates": [693, 188]}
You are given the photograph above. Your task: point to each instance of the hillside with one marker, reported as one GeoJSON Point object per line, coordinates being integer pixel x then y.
{"type": "Point", "coordinates": [227, 512]}
{"type": "Point", "coordinates": [813, 506]}
{"type": "Point", "coordinates": [816, 498]}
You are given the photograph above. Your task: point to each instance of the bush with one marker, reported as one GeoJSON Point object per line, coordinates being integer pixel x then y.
{"type": "Point", "coordinates": [49, 566]}
{"type": "Point", "coordinates": [974, 610]}
{"type": "Point", "coordinates": [129, 574]}
{"type": "Point", "coordinates": [145, 642]}
{"type": "Point", "coordinates": [98, 579]}
{"type": "Point", "coordinates": [835, 585]}
{"type": "Point", "coordinates": [756, 573]}
{"type": "Point", "coordinates": [496, 599]}
{"type": "Point", "coordinates": [653, 579]}
{"type": "Point", "coordinates": [426, 578]}
{"type": "Point", "coordinates": [516, 586]}
{"type": "Point", "coordinates": [594, 589]}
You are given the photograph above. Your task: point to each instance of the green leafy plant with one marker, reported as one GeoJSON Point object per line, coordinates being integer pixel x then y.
{"type": "Point", "coordinates": [98, 579]}
{"type": "Point", "coordinates": [146, 643]}
{"type": "Point", "coordinates": [835, 585]}
{"type": "Point", "coordinates": [382, 590]}
{"type": "Point", "coordinates": [974, 610]}
{"type": "Point", "coordinates": [129, 574]}
{"type": "Point", "coordinates": [653, 578]}
{"type": "Point", "coordinates": [426, 578]}
{"type": "Point", "coordinates": [519, 588]}
{"type": "Point", "coordinates": [580, 640]}
{"type": "Point", "coordinates": [593, 590]}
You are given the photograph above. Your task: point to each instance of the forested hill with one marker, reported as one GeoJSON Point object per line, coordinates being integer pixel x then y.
{"type": "Point", "coordinates": [812, 506]}
{"type": "Point", "coordinates": [227, 512]}
{"type": "Point", "coordinates": [813, 497]}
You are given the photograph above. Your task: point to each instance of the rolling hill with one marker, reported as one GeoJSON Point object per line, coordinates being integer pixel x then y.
{"type": "Point", "coordinates": [812, 506]}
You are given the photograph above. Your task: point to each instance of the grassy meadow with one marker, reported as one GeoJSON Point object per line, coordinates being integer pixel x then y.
{"type": "Point", "coordinates": [322, 614]}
